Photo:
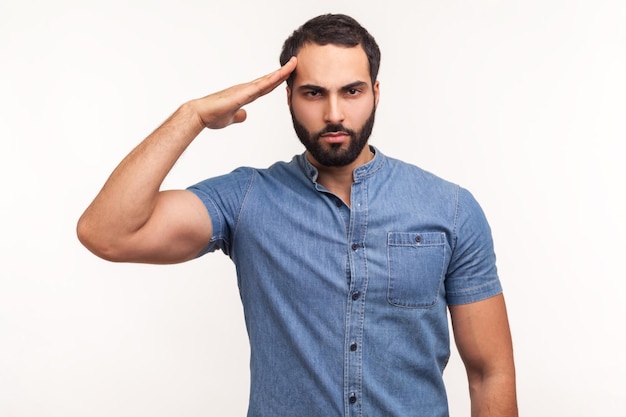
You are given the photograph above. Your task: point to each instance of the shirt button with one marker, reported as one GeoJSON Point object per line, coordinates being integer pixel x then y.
{"type": "Point", "coordinates": [338, 202]}
{"type": "Point", "coordinates": [353, 347]}
{"type": "Point", "coordinates": [352, 398]}
{"type": "Point", "coordinates": [355, 295]}
{"type": "Point", "coordinates": [418, 239]}
{"type": "Point", "coordinates": [355, 246]}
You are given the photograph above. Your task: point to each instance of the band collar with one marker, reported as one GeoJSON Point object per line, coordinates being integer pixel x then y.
{"type": "Point", "coordinates": [360, 173]}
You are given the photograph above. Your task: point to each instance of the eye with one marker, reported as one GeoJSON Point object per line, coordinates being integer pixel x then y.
{"type": "Point", "coordinates": [313, 93]}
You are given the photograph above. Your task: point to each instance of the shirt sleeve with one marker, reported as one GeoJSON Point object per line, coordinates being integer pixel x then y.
{"type": "Point", "coordinates": [223, 197]}
{"type": "Point", "coordinates": [472, 275]}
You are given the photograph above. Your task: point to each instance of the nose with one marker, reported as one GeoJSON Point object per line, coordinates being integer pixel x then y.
{"type": "Point", "coordinates": [334, 111]}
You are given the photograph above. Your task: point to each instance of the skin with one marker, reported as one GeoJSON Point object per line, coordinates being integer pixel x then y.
{"type": "Point", "coordinates": [131, 220]}
{"type": "Point", "coordinates": [483, 339]}
{"type": "Point", "coordinates": [332, 86]}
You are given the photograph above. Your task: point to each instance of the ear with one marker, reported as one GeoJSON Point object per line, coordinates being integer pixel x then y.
{"type": "Point", "coordinates": [376, 89]}
{"type": "Point", "coordinates": [288, 95]}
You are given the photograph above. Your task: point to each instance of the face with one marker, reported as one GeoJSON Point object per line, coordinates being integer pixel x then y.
{"type": "Point", "coordinates": [332, 103]}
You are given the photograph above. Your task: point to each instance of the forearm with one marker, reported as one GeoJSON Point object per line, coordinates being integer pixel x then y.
{"type": "Point", "coordinates": [127, 199]}
{"type": "Point", "coordinates": [483, 338]}
{"type": "Point", "coordinates": [493, 395]}
{"type": "Point", "coordinates": [130, 219]}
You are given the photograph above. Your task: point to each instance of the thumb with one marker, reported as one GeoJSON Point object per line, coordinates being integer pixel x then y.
{"type": "Point", "coordinates": [240, 116]}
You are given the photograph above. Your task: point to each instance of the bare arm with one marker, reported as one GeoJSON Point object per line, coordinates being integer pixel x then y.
{"type": "Point", "coordinates": [483, 338]}
{"type": "Point", "coordinates": [131, 220]}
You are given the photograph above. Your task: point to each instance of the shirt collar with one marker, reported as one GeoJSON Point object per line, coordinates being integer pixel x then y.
{"type": "Point", "coordinates": [360, 173]}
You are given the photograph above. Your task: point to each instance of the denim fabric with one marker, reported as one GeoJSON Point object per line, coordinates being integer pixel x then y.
{"type": "Point", "coordinates": [346, 307]}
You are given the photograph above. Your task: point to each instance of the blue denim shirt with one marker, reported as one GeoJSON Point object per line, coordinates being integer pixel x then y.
{"type": "Point", "coordinates": [346, 307]}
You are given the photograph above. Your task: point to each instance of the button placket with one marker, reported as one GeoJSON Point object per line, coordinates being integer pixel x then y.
{"type": "Point", "coordinates": [356, 303]}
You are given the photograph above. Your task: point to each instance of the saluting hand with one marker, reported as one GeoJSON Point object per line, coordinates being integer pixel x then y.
{"type": "Point", "coordinates": [223, 108]}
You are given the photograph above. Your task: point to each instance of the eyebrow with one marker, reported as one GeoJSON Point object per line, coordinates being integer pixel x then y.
{"type": "Point", "coordinates": [314, 87]}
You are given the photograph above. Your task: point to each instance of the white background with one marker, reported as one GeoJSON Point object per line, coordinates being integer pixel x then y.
{"type": "Point", "coordinates": [522, 102]}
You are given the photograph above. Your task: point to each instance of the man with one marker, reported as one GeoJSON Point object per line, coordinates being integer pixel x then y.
{"type": "Point", "coordinates": [347, 260]}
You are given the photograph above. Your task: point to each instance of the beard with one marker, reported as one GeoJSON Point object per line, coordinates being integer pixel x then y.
{"type": "Point", "coordinates": [335, 155]}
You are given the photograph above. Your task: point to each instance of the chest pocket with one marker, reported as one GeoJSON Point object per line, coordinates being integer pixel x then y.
{"type": "Point", "coordinates": [416, 264]}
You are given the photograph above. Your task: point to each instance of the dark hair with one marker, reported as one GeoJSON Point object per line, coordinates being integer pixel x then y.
{"type": "Point", "coordinates": [334, 29]}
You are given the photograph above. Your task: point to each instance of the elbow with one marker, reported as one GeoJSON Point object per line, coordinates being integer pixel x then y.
{"type": "Point", "coordinates": [493, 394]}
{"type": "Point", "coordinates": [502, 371]}
{"type": "Point", "coordinates": [98, 241]}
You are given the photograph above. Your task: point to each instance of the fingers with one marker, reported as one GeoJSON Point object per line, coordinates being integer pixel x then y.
{"type": "Point", "coordinates": [269, 82]}
{"type": "Point", "coordinates": [220, 109]}
{"type": "Point", "coordinates": [283, 72]}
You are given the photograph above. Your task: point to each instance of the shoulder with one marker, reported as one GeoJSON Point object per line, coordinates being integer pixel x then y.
{"type": "Point", "coordinates": [245, 179]}
{"type": "Point", "coordinates": [233, 180]}
{"type": "Point", "coordinates": [418, 173]}
{"type": "Point", "coordinates": [419, 181]}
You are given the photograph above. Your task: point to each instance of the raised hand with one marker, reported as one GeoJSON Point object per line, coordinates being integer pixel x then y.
{"type": "Point", "coordinates": [223, 108]}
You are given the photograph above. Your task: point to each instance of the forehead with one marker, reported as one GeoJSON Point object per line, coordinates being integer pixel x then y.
{"type": "Point", "coordinates": [331, 65]}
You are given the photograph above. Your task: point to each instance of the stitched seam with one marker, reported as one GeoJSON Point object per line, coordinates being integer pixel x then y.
{"type": "Point", "coordinates": [243, 203]}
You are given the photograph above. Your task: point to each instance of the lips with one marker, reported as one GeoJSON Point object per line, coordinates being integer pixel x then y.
{"type": "Point", "coordinates": [335, 137]}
